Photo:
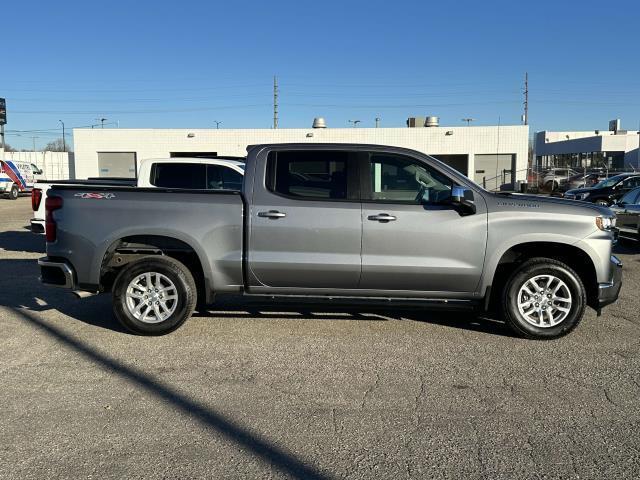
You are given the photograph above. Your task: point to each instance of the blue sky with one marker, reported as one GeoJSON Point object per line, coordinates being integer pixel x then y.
{"type": "Point", "coordinates": [185, 64]}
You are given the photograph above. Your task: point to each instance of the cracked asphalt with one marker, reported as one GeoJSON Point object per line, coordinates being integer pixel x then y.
{"type": "Point", "coordinates": [304, 391]}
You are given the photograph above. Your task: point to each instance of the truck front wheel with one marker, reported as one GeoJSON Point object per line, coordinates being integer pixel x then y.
{"type": "Point", "coordinates": [544, 299]}
{"type": "Point", "coordinates": [154, 295]}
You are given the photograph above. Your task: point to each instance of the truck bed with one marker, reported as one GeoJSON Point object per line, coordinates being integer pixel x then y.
{"type": "Point", "coordinates": [93, 219]}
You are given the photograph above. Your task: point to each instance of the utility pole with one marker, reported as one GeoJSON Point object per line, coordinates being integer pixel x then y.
{"type": "Point", "coordinates": [217, 124]}
{"type": "Point", "coordinates": [34, 143]}
{"type": "Point", "coordinates": [3, 120]}
{"type": "Point", "coordinates": [526, 98]}
{"type": "Point", "coordinates": [275, 102]}
{"type": "Point", "coordinates": [468, 120]}
{"type": "Point", "coordinates": [378, 122]}
{"type": "Point", "coordinates": [64, 140]}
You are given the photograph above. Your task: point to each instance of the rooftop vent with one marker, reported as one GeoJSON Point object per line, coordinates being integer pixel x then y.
{"type": "Point", "coordinates": [432, 122]}
{"type": "Point", "coordinates": [416, 122]}
{"type": "Point", "coordinates": [319, 122]}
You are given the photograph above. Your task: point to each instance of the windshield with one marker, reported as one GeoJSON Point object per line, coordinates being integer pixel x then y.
{"type": "Point", "coordinates": [608, 182]}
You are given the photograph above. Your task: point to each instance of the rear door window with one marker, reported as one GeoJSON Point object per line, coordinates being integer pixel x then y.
{"type": "Point", "coordinates": [311, 175]}
{"type": "Point", "coordinates": [192, 176]}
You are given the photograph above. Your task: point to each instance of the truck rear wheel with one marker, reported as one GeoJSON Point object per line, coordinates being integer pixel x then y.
{"type": "Point", "coordinates": [154, 295]}
{"type": "Point", "coordinates": [13, 194]}
{"type": "Point", "coordinates": [544, 299]}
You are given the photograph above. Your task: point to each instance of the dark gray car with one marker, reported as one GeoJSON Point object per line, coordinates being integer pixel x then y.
{"type": "Point", "coordinates": [627, 209]}
{"type": "Point", "coordinates": [340, 222]}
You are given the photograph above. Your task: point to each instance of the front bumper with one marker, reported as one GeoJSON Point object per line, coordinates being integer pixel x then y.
{"type": "Point", "coordinates": [56, 273]}
{"type": "Point", "coordinates": [608, 292]}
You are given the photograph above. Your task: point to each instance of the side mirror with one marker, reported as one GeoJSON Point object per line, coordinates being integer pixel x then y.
{"type": "Point", "coordinates": [462, 199]}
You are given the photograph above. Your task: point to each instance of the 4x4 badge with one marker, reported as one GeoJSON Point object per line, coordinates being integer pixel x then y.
{"type": "Point", "coordinates": [97, 196]}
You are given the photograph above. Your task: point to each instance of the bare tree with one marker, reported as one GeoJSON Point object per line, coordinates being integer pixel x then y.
{"type": "Point", "coordinates": [56, 146]}
{"type": "Point", "coordinates": [9, 148]}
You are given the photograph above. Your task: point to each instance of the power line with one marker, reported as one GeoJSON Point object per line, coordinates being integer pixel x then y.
{"type": "Point", "coordinates": [123, 112]}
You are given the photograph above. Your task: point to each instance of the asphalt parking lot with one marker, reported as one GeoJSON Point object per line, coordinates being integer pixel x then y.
{"type": "Point", "coordinates": [313, 392]}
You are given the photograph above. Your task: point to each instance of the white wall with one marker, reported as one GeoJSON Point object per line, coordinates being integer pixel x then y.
{"type": "Point", "coordinates": [155, 143]}
{"type": "Point", "coordinates": [55, 165]}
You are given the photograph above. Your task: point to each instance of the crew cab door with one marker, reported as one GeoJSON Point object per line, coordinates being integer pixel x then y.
{"type": "Point", "coordinates": [304, 228]}
{"type": "Point", "coordinates": [413, 239]}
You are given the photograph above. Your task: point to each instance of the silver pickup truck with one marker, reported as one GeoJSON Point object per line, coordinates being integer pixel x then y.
{"type": "Point", "coordinates": [334, 221]}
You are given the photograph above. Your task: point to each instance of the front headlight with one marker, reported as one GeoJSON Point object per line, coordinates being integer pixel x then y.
{"type": "Point", "coordinates": [584, 196]}
{"type": "Point", "coordinates": [606, 223]}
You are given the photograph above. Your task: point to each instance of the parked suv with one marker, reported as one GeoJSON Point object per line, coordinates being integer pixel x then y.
{"type": "Point", "coordinates": [607, 191]}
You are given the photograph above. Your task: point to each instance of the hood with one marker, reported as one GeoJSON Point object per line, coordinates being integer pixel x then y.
{"type": "Point", "coordinates": [526, 202]}
{"type": "Point", "coordinates": [573, 191]}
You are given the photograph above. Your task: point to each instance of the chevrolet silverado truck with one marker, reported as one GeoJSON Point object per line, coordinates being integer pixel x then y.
{"type": "Point", "coordinates": [340, 222]}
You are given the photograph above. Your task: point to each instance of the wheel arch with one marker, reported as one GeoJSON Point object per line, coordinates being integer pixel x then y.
{"type": "Point", "coordinates": [132, 247]}
{"type": "Point", "coordinates": [507, 262]}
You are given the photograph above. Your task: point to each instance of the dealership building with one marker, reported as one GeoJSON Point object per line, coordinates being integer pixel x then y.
{"type": "Point", "coordinates": [493, 155]}
{"type": "Point", "coordinates": [615, 149]}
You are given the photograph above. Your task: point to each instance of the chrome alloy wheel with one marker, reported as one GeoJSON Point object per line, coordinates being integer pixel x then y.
{"type": "Point", "coordinates": [544, 301]}
{"type": "Point", "coordinates": [151, 297]}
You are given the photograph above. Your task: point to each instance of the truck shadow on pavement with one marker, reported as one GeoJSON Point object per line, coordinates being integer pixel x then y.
{"type": "Point", "coordinates": [460, 319]}
{"type": "Point", "coordinates": [259, 447]}
{"type": "Point", "coordinates": [21, 289]}
{"type": "Point", "coordinates": [22, 241]}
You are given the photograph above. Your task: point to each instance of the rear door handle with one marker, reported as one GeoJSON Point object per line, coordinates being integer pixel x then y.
{"type": "Point", "coordinates": [382, 217]}
{"type": "Point", "coordinates": [274, 214]}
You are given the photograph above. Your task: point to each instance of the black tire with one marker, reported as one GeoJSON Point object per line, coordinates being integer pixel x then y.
{"type": "Point", "coordinates": [603, 203]}
{"type": "Point", "coordinates": [13, 194]}
{"type": "Point", "coordinates": [528, 270]}
{"type": "Point", "coordinates": [185, 289]}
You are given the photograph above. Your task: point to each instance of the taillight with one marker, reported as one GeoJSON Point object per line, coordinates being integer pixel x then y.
{"type": "Point", "coordinates": [51, 204]}
{"type": "Point", "coordinates": [36, 198]}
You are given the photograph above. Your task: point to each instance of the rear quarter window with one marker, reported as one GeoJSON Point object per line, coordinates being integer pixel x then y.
{"type": "Point", "coordinates": [191, 176]}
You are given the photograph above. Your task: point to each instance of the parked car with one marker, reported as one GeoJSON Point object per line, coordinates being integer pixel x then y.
{"type": "Point", "coordinates": [17, 178]}
{"type": "Point", "coordinates": [551, 178]}
{"type": "Point", "coordinates": [580, 180]}
{"type": "Point", "coordinates": [607, 191]}
{"type": "Point", "coordinates": [334, 221]}
{"type": "Point", "coordinates": [627, 209]}
{"type": "Point", "coordinates": [191, 173]}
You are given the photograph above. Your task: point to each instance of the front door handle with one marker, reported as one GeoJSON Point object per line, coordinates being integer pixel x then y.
{"type": "Point", "coordinates": [274, 214]}
{"type": "Point", "coordinates": [382, 217]}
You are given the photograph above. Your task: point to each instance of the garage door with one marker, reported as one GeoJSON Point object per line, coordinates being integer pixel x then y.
{"type": "Point", "coordinates": [117, 164]}
{"type": "Point", "coordinates": [492, 171]}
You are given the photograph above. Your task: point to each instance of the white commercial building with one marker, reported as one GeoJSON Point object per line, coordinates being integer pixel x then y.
{"type": "Point", "coordinates": [615, 149]}
{"type": "Point", "coordinates": [54, 165]}
{"type": "Point", "coordinates": [490, 154]}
